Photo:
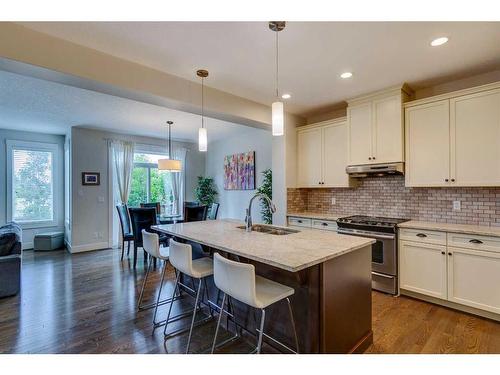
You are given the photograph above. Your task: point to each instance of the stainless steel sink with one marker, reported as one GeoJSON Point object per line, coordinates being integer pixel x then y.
{"type": "Point", "coordinates": [269, 229]}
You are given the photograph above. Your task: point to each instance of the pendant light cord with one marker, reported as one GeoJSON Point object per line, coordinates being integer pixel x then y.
{"type": "Point", "coordinates": [277, 65]}
{"type": "Point", "coordinates": [169, 142]}
{"type": "Point", "coordinates": [202, 102]}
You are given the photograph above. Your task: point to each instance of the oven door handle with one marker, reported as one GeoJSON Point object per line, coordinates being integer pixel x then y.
{"type": "Point", "coordinates": [382, 275]}
{"type": "Point", "coordinates": [368, 234]}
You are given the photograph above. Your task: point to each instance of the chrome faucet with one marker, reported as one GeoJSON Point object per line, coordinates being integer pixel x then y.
{"type": "Point", "coordinates": [248, 217]}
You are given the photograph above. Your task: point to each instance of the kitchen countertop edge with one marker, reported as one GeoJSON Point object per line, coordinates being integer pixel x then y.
{"type": "Point", "coordinates": [453, 228]}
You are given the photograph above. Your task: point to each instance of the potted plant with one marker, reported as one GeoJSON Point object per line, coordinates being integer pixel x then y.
{"type": "Point", "coordinates": [206, 191]}
{"type": "Point", "coordinates": [267, 189]}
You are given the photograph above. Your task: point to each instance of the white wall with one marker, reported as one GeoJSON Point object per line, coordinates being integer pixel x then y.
{"type": "Point", "coordinates": [28, 234]}
{"type": "Point", "coordinates": [91, 206]}
{"type": "Point", "coordinates": [234, 202]}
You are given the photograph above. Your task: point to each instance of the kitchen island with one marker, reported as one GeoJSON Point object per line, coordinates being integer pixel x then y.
{"type": "Point", "coordinates": [331, 275]}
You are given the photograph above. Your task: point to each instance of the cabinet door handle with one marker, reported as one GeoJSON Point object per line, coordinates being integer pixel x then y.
{"type": "Point", "coordinates": [369, 158]}
{"type": "Point", "coordinates": [475, 241]}
{"type": "Point", "coordinates": [443, 252]}
{"type": "Point", "coordinates": [324, 224]}
{"type": "Point", "coordinates": [373, 157]}
{"type": "Point", "coordinates": [450, 254]}
{"type": "Point", "coordinates": [446, 180]}
{"type": "Point", "coordinates": [421, 235]}
{"type": "Point", "coordinates": [452, 180]}
{"type": "Point", "coordinates": [299, 221]}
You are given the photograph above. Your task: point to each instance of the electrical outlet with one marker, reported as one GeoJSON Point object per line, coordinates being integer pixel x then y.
{"type": "Point", "coordinates": [334, 201]}
{"type": "Point", "coordinates": [457, 206]}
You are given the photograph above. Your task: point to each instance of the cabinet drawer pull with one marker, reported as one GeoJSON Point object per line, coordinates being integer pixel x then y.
{"type": "Point", "coordinates": [324, 224]}
{"type": "Point", "coordinates": [299, 221]}
{"type": "Point", "coordinates": [452, 180]}
{"type": "Point", "coordinates": [450, 254]}
{"type": "Point", "coordinates": [443, 252]}
{"type": "Point", "coordinates": [446, 180]}
{"type": "Point", "coordinates": [421, 235]}
{"type": "Point", "coordinates": [475, 241]}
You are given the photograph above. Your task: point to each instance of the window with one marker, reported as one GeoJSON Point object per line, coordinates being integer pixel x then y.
{"type": "Point", "coordinates": [148, 183]}
{"type": "Point", "coordinates": [30, 174]}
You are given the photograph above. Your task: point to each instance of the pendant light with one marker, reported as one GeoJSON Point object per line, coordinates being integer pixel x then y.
{"type": "Point", "coordinates": [202, 132]}
{"type": "Point", "coordinates": [278, 120]}
{"type": "Point", "coordinates": [169, 164]}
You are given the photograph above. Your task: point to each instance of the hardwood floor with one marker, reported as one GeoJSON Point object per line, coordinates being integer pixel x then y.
{"type": "Point", "coordinates": [86, 303]}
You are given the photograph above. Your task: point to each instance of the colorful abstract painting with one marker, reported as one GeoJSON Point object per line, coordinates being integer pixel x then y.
{"type": "Point", "coordinates": [239, 171]}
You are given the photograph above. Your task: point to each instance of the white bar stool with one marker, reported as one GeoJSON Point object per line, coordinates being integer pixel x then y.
{"type": "Point", "coordinates": [238, 280]}
{"type": "Point", "coordinates": [181, 257]}
{"type": "Point", "coordinates": [151, 244]}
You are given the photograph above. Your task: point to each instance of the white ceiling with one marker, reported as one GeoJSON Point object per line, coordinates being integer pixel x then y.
{"type": "Point", "coordinates": [240, 55]}
{"type": "Point", "coordinates": [32, 104]}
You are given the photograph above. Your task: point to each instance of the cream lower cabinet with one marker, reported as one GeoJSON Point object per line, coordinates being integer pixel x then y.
{"type": "Point", "coordinates": [322, 155]}
{"type": "Point", "coordinates": [423, 268]}
{"type": "Point", "coordinates": [474, 278]}
{"type": "Point", "coordinates": [463, 269]}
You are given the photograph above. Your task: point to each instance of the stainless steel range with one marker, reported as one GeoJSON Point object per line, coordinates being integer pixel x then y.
{"type": "Point", "coordinates": [384, 251]}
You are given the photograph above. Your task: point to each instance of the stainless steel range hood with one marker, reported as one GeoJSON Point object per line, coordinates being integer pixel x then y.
{"type": "Point", "coordinates": [359, 171]}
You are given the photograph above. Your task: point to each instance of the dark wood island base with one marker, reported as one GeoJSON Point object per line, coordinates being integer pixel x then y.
{"type": "Point", "coordinates": [332, 305]}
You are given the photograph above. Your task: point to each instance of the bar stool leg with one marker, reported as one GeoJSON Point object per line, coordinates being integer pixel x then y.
{"type": "Point", "coordinates": [262, 319]}
{"type": "Point", "coordinates": [159, 292]}
{"type": "Point", "coordinates": [293, 325]}
{"type": "Point", "coordinates": [170, 307]}
{"type": "Point", "coordinates": [218, 322]}
{"type": "Point", "coordinates": [139, 307]}
{"type": "Point", "coordinates": [196, 306]}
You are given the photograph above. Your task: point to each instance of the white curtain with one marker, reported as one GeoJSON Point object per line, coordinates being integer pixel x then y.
{"type": "Point", "coordinates": [123, 158]}
{"type": "Point", "coordinates": [177, 180]}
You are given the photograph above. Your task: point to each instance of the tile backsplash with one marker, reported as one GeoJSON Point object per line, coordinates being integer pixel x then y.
{"type": "Point", "coordinates": [388, 196]}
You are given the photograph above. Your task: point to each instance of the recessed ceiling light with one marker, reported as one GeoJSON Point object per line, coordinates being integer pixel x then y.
{"type": "Point", "coordinates": [439, 41]}
{"type": "Point", "coordinates": [286, 96]}
{"type": "Point", "coordinates": [346, 75]}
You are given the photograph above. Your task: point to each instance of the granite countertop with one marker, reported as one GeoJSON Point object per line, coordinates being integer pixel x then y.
{"type": "Point", "coordinates": [315, 215]}
{"type": "Point", "coordinates": [455, 228]}
{"type": "Point", "coordinates": [292, 252]}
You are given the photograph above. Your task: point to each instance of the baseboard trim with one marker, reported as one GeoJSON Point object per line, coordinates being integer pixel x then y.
{"type": "Point", "coordinates": [87, 247]}
{"type": "Point", "coordinates": [28, 245]}
{"type": "Point", "coordinates": [452, 305]}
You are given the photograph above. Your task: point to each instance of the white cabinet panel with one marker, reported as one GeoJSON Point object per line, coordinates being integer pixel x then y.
{"type": "Point", "coordinates": [360, 133]}
{"type": "Point", "coordinates": [427, 144]}
{"type": "Point", "coordinates": [423, 268]}
{"type": "Point", "coordinates": [387, 130]}
{"type": "Point", "coordinates": [309, 157]}
{"type": "Point", "coordinates": [475, 139]}
{"type": "Point", "coordinates": [335, 155]}
{"type": "Point", "coordinates": [474, 278]}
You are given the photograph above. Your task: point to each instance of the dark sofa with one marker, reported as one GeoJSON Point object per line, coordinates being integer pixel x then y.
{"type": "Point", "coordinates": [10, 259]}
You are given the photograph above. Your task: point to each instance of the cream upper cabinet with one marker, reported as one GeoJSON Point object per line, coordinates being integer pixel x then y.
{"type": "Point", "coordinates": [322, 155]}
{"type": "Point", "coordinates": [387, 131]}
{"type": "Point", "coordinates": [360, 133]}
{"type": "Point", "coordinates": [309, 150]}
{"type": "Point", "coordinates": [335, 155]}
{"type": "Point", "coordinates": [475, 139]}
{"type": "Point", "coordinates": [423, 268]}
{"type": "Point", "coordinates": [427, 131]}
{"type": "Point", "coordinates": [474, 278]}
{"type": "Point", "coordinates": [454, 139]}
{"type": "Point", "coordinates": [375, 128]}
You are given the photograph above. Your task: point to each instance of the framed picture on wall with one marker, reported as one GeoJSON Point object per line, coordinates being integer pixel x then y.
{"type": "Point", "coordinates": [239, 171]}
{"type": "Point", "coordinates": [91, 178]}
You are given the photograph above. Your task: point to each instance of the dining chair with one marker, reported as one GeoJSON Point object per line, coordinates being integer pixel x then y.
{"type": "Point", "coordinates": [212, 212]}
{"type": "Point", "coordinates": [126, 228]}
{"type": "Point", "coordinates": [198, 213]}
{"type": "Point", "coordinates": [152, 204]}
{"type": "Point", "coordinates": [143, 218]}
